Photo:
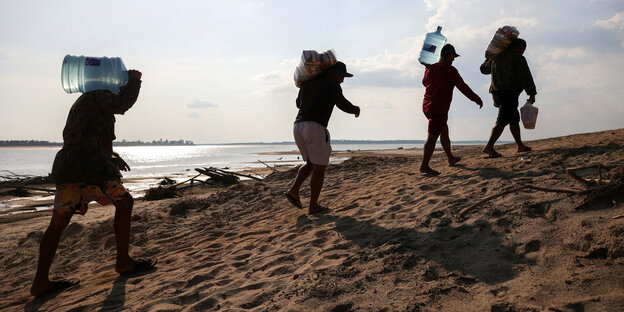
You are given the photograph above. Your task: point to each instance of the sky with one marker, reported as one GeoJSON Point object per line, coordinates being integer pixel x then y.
{"type": "Point", "coordinates": [222, 71]}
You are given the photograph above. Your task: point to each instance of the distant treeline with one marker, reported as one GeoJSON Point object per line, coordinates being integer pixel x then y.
{"type": "Point", "coordinates": [116, 143]}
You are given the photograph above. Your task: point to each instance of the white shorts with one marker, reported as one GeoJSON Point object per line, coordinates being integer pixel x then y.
{"type": "Point", "coordinates": [313, 142]}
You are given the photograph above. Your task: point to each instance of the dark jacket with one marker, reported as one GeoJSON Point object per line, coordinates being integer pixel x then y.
{"type": "Point", "coordinates": [89, 134]}
{"type": "Point", "coordinates": [510, 72]}
{"type": "Point", "coordinates": [317, 98]}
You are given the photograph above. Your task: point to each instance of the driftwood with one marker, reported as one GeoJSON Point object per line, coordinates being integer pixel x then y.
{"type": "Point", "coordinates": [22, 179]}
{"type": "Point", "coordinates": [272, 168]}
{"type": "Point", "coordinates": [25, 187]}
{"type": "Point", "coordinates": [218, 175]}
{"type": "Point", "coordinates": [597, 187]}
{"type": "Point", "coordinates": [597, 168]}
{"type": "Point", "coordinates": [513, 190]}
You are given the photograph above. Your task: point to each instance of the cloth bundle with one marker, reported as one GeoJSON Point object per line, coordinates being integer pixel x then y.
{"type": "Point", "coordinates": [501, 40]}
{"type": "Point", "coordinates": [313, 64]}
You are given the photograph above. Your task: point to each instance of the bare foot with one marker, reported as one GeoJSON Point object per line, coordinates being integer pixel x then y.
{"type": "Point", "coordinates": [489, 151]}
{"type": "Point", "coordinates": [454, 160]}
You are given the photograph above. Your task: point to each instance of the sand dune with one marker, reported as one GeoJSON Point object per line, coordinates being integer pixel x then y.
{"type": "Point", "coordinates": [394, 241]}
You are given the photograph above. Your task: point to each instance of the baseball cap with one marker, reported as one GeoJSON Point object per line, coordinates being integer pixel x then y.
{"type": "Point", "coordinates": [448, 49]}
{"type": "Point", "coordinates": [340, 68]}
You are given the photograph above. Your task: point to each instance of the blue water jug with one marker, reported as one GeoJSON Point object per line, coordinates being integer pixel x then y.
{"type": "Point", "coordinates": [430, 53]}
{"type": "Point", "coordinates": [85, 73]}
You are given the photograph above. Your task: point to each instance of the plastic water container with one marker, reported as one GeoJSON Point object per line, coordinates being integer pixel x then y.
{"type": "Point", "coordinates": [85, 73]}
{"type": "Point", "coordinates": [430, 53]}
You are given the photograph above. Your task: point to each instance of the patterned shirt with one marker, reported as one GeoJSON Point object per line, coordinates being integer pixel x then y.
{"type": "Point", "coordinates": [510, 71]}
{"type": "Point", "coordinates": [89, 134]}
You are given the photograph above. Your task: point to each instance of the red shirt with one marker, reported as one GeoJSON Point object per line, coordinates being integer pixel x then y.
{"type": "Point", "coordinates": [439, 81]}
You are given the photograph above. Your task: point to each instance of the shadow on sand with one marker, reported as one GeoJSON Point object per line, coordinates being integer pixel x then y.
{"type": "Point", "coordinates": [454, 248]}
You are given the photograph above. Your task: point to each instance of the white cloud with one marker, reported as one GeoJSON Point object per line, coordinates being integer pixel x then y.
{"type": "Point", "coordinates": [616, 22]}
{"type": "Point", "coordinates": [268, 76]}
{"type": "Point", "coordinates": [193, 115]}
{"type": "Point", "coordinates": [201, 104]}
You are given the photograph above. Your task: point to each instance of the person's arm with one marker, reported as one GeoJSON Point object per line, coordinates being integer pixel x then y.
{"type": "Point", "coordinates": [343, 103]}
{"type": "Point", "coordinates": [486, 67]}
{"type": "Point", "coordinates": [465, 89]}
{"type": "Point", "coordinates": [121, 164]}
{"type": "Point", "coordinates": [526, 78]}
{"type": "Point", "coordinates": [127, 96]}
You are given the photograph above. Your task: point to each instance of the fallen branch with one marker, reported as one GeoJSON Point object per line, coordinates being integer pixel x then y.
{"type": "Point", "coordinates": [513, 190]}
{"type": "Point", "coordinates": [572, 172]}
{"type": "Point", "coordinates": [268, 166]}
{"type": "Point", "coordinates": [32, 188]}
{"type": "Point", "coordinates": [236, 174]}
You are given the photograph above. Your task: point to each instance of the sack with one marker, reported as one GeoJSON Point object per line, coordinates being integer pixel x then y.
{"type": "Point", "coordinates": [528, 114]}
{"type": "Point", "coordinates": [313, 64]}
{"type": "Point", "coordinates": [501, 40]}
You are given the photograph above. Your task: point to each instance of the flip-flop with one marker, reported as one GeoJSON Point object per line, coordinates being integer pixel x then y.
{"type": "Point", "coordinates": [295, 202]}
{"type": "Point", "coordinates": [60, 285]}
{"type": "Point", "coordinates": [430, 174]}
{"type": "Point", "coordinates": [526, 149]}
{"type": "Point", "coordinates": [321, 209]}
{"type": "Point", "coordinates": [495, 155]}
{"type": "Point", "coordinates": [141, 266]}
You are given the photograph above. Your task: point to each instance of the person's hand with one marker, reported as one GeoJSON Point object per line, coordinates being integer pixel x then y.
{"type": "Point", "coordinates": [532, 98]}
{"type": "Point", "coordinates": [133, 73]}
{"type": "Point", "coordinates": [358, 113]}
{"type": "Point", "coordinates": [480, 103]}
{"type": "Point", "coordinates": [121, 164]}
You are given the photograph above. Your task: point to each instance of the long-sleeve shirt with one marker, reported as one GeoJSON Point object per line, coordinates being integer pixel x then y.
{"type": "Point", "coordinates": [317, 98]}
{"type": "Point", "coordinates": [509, 71]}
{"type": "Point", "coordinates": [89, 134]}
{"type": "Point", "coordinates": [440, 79]}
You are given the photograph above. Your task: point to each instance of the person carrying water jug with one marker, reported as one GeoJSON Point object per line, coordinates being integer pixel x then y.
{"type": "Point", "coordinates": [316, 101]}
{"type": "Point", "coordinates": [510, 76]}
{"type": "Point", "coordinates": [440, 79]}
{"type": "Point", "coordinates": [86, 169]}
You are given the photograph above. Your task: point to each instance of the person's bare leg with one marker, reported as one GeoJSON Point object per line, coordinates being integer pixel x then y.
{"type": "Point", "coordinates": [515, 132]}
{"type": "Point", "coordinates": [47, 250]}
{"type": "Point", "coordinates": [302, 175]}
{"type": "Point", "coordinates": [122, 226]}
{"type": "Point", "coordinates": [316, 184]}
{"type": "Point", "coordinates": [428, 149]}
{"type": "Point", "coordinates": [445, 140]}
{"type": "Point", "coordinates": [496, 133]}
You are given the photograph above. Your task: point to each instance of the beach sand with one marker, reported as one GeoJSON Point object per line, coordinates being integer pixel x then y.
{"type": "Point", "coordinates": [394, 241]}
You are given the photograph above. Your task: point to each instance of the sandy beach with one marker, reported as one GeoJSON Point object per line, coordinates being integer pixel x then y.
{"type": "Point", "coordinates": [394, 240]}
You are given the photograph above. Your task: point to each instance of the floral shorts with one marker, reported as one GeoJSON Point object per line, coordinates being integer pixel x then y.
{"type": "Point", "coordinates": [75, 197]}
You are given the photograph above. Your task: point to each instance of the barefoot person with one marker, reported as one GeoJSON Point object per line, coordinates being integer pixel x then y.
{"type": "Point", "coordinates": [440, 79]}
{"type": "Point", "coordinates": [86, 169]}
{"type": "Point", "coordinates": [316, 101]}
{"type": "Point", "coordinates": [510, 76]}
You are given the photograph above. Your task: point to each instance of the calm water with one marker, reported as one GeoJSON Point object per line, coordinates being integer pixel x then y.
{"type": "Point", "coordinates": [154, 162]}
{"type": "Point", "coordinates": [147, 161]}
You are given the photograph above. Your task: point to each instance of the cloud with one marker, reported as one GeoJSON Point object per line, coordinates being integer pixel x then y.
{"type": "Point", "coordinates": [267, 76]}
{"type": "Point", "coordinates": [616, 22]}
{"type": "Point", "coordinates": [193, 115]}
{"type": "Point", "coordinates": [202, 104]}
